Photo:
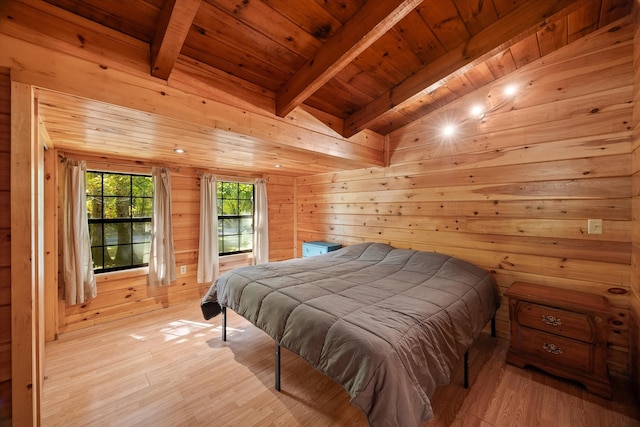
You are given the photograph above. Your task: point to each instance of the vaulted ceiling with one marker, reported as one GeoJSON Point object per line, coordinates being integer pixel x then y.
{"type": "Point", "coordinates": [353, 65]}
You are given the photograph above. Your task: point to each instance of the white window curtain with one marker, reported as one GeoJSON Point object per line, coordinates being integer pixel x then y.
{"type": "Point", "coordinates": [79, 278]}
{"type": "Point", "coordinates": [260, 223]}
{"type": "Point", "coordinates": [162, 259]}
{"type": "Point", "coordinates": [208, 267]}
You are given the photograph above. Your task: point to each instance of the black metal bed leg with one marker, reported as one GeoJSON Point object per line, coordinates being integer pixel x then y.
{"type": "Point", "coordinates": [224, 323]}
{"type": "Point", "coordinates": [466, 355]}
{"type": "Point", "coordinates": [277, 366]}
{"type": "Point", "coordinates": [466, 369]}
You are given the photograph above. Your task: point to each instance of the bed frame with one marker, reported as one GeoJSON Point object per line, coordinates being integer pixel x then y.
{"type": "Point", "coordinates": [277, 351]}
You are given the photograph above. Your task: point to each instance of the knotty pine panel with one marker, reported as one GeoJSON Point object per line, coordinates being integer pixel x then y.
{"type": "Point", "coordinates": [126, 293]}
{"type": "Point", "coordinates": [5, 254]}
{"type": "Point", "coordinates": [232, 261]}
{"type": "Point", "coordinates": [5, 319]}
{"type": "Point", "coordinates": [611, 209]}
{"type": "Point", "coordinates": [511, 192]}
{"type": "Point", "coordinates": [618, 232]}
{"type": "Point", "coordinates": [511, 189]}
{"type": "Point", "coordinates": [634, 368]}
{"type": "Point", "coordinates": [525, 51]}
{"type": "Point", "coordinates": [5, 368]}
{"type": "Point", "coordinates": [280, 196]}
{"type": "Point", "coordinates": [111, 282]}
{"type": "Point", "coordinates": [5, 286]}
{"type": "Point", "coordinates": [607, 251]}
{"type": "Point", "coordinates": [445, 171]}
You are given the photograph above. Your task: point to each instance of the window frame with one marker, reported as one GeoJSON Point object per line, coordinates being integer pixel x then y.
{"type": "Point", "coordinates": [127, 220]}
{"type": "Point", "coordinates": [238, 217]}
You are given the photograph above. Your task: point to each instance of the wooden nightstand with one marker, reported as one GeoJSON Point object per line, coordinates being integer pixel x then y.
{"type": "Point", "coordinates": [562, 332]}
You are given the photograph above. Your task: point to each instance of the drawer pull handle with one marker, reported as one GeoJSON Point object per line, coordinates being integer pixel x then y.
{"type": "Point", "coordinates": [552, 348]}
{"type": "Point", "coordinates": [551, 321]}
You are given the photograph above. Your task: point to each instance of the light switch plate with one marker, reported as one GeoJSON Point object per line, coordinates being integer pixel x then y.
{"type": "Point", "coordinates": [594, 226]}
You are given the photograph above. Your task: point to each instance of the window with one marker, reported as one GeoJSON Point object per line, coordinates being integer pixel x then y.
{"type": "Point", "coordinates": [235, 217]}
{"type": "Point", "coordinates": [119, 208]}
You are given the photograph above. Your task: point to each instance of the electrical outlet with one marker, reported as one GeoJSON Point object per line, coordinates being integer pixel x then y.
{"type": "Point", "coordinates": [183, 269]}
{"type": "Point", "coordinates": [594, 226]}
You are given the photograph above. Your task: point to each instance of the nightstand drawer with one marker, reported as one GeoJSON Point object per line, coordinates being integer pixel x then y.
{"type": "Point", "coordinates": [556, 349]}
{"type": "Point", "coordinates": [560, 322]}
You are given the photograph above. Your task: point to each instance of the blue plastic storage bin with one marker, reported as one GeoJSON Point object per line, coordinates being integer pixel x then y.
{"type": "Point", "coordinates": [318, 248]}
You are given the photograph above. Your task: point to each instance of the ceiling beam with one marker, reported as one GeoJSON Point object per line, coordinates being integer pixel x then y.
{"type": "Point", "coordinates": [523, 21]}
{"type": "Point", "coordinates": [175, 20]}
{"type": "Point", "coordinates": [370, 23]}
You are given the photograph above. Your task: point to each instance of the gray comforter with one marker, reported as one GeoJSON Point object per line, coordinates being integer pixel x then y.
{"type": "Point", "coordinates": [388, 324]}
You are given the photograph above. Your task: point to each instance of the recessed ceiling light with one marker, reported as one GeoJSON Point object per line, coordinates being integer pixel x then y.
{"type": "Point", "coordinates": [179, 150]}
{"type": "Point", "coordinates": [510, 90]}
{"type": "Point", "coordinates": [277, 165]}
{"type": "Point", "coordinates": [477, 111]}
{"type": "Point", "coordinates": [448, 130]}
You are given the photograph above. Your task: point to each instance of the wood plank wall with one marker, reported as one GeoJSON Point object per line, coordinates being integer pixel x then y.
{"type": "Point", "coordinates": [511, 192]}
{"type": "Point", "coordinates": [635, 252]}
{"type": "Point", "coordinates": [126, 293]}
{"type": "Point", "coordinates": [5, 246]}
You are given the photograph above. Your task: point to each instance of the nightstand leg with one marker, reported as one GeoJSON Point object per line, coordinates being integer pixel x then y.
{"type": "Point", "coordinates": [466, 369]}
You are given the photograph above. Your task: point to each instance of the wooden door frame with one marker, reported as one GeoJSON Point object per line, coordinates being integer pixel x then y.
{"type": "Point", "coordinates": [27, 257]}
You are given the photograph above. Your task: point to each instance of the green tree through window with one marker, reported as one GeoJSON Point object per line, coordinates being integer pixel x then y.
{"type": "Point", "coordinates": [119, 207]}
{"type": "Point", "coordinates": [235, 217]}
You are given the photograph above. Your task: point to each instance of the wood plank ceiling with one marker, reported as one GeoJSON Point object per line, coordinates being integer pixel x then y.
{"type": "Point", "coordinates": [352, 64]}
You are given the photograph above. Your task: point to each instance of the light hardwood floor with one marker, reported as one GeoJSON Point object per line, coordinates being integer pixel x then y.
{"type": "Point", "coordinates": [170, 368]}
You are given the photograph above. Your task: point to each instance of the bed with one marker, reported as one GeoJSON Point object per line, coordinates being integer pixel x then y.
{"type": "Point", "coordinates": [388, 324]}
